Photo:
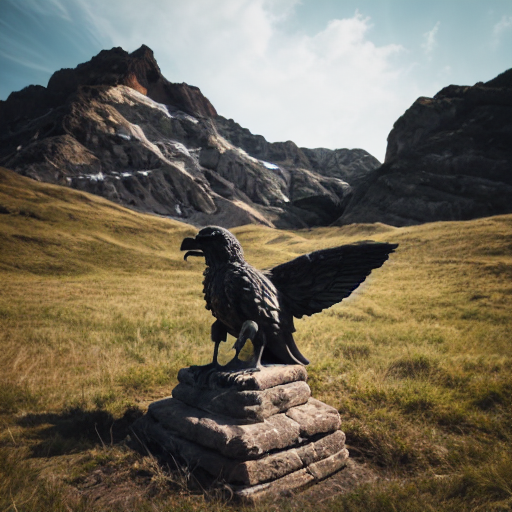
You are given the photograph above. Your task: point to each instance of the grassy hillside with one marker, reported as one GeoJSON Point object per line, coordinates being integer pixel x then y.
{"type": "Point", "coordinates": [98, 311]}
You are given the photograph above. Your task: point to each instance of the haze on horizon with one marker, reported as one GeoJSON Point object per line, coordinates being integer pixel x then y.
{"type": "Point", "coordinates": [323, 73]}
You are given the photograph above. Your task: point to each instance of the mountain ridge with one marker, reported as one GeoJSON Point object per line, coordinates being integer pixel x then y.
{"type": "Point", "coordinates": [116, 127]}
{"type": "Point", "coordinates": [448, 158]}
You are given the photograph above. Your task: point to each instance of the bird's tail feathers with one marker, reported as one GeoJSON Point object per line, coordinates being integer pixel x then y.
{"type": "Point", "coordinates": [283, 350]}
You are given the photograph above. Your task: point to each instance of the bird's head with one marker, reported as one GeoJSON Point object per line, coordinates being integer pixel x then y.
{"type": "Point", "coordinates": [216, 244]}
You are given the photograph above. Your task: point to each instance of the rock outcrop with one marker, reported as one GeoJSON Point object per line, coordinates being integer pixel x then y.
{"type": "Point", "coordinates": [138, 70]}
{"type": "Point", "coordinates": [448, 158]}
{"type": "Point", "coordinates": [114, 126]}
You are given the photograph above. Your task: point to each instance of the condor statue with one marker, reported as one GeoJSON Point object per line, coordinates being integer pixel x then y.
{"type": "Point", "coordinates": [260, 306]}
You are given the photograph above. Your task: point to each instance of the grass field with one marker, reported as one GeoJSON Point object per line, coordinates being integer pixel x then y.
{"type": "Point", "coordinates": [98, 312]}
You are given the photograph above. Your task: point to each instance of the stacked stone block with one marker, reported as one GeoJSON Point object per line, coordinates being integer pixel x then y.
{"type": "Point", "coordinates": [258, 432]}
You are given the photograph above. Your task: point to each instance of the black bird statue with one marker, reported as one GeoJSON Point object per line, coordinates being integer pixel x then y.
{"type": "Point", "coordinates": [260, 306]}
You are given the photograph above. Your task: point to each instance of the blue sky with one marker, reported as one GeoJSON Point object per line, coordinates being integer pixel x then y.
{"type": "Point", "coordinates": [323, 73]}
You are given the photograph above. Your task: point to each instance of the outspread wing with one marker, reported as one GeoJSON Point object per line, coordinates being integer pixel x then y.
{"type": "Point", "coordinates": [318, 280]}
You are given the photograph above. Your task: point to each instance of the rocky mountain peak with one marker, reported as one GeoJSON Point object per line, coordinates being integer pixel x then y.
{"type": "Point", "coordinates": [502, 80]}
{"type": "Point", "coordinates": [448, 158]}
{"type": "Point", "coordinates": [137, 70]}
{"type": "Point", "coordinates": [115, 126]}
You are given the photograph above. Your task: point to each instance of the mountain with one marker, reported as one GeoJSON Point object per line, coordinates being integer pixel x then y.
{"type": "Point", "coordinates": [448, 158]}
{"type": "Point", "coordinates": [114, 126]}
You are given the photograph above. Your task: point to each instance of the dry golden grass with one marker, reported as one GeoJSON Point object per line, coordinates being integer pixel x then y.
{"type": "Point", "coordinates": [98, 311]}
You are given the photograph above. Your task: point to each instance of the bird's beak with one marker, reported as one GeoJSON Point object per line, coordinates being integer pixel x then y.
{"type": "Point", "coordinates": [192, 247]}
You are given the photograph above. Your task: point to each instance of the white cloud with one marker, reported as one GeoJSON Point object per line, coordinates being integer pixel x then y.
{"type": "Point", "coordinates": [28, 63]}
{"type": "Point", "coordinates": [503, 25]}
{"type": "Point", "coordinates": [499, 30]}
{"type": "Point", "coordinates": [47, 8]}
{"type": "Point", "coordinates": [430, 42]}
{"type": "Point", "coordinates": [20, 47]}
{"type": "Point", "coordinates": [334, 89]}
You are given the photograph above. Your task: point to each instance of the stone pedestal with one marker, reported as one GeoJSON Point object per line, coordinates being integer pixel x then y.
{"type": "Point", "coordinates": [258, 433]}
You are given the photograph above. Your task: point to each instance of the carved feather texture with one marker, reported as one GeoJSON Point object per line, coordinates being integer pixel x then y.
{"type": "Point", "coordinates": [236, 292]}
{"type": "Point", "coordinates": [316, 281]}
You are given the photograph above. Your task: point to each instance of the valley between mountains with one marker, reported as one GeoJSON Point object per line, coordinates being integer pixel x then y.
{"type": "Point", "coordinates": [116, 127]}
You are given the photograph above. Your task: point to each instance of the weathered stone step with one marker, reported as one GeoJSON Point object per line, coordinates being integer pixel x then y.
{"type": "Point", "coordinates": [249, 405]}
{"type": "Point", "coordinates": [238, 440]}
{"type": "Point", "coordinates": [239, 472]}
{"type": "Point", "coordinates": [267, 377]}
{"type": "Point", "coordinates": [296, 480]}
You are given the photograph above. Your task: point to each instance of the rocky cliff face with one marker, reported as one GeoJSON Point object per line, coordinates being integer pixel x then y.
{"type": "Point", "coordinates": [116, 127]}
{"type": "Point", "coordinates": [448, 158]}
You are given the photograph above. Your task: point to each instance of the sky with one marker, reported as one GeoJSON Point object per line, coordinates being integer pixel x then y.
{"type": "Point", "coordinates": [323, 73]}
